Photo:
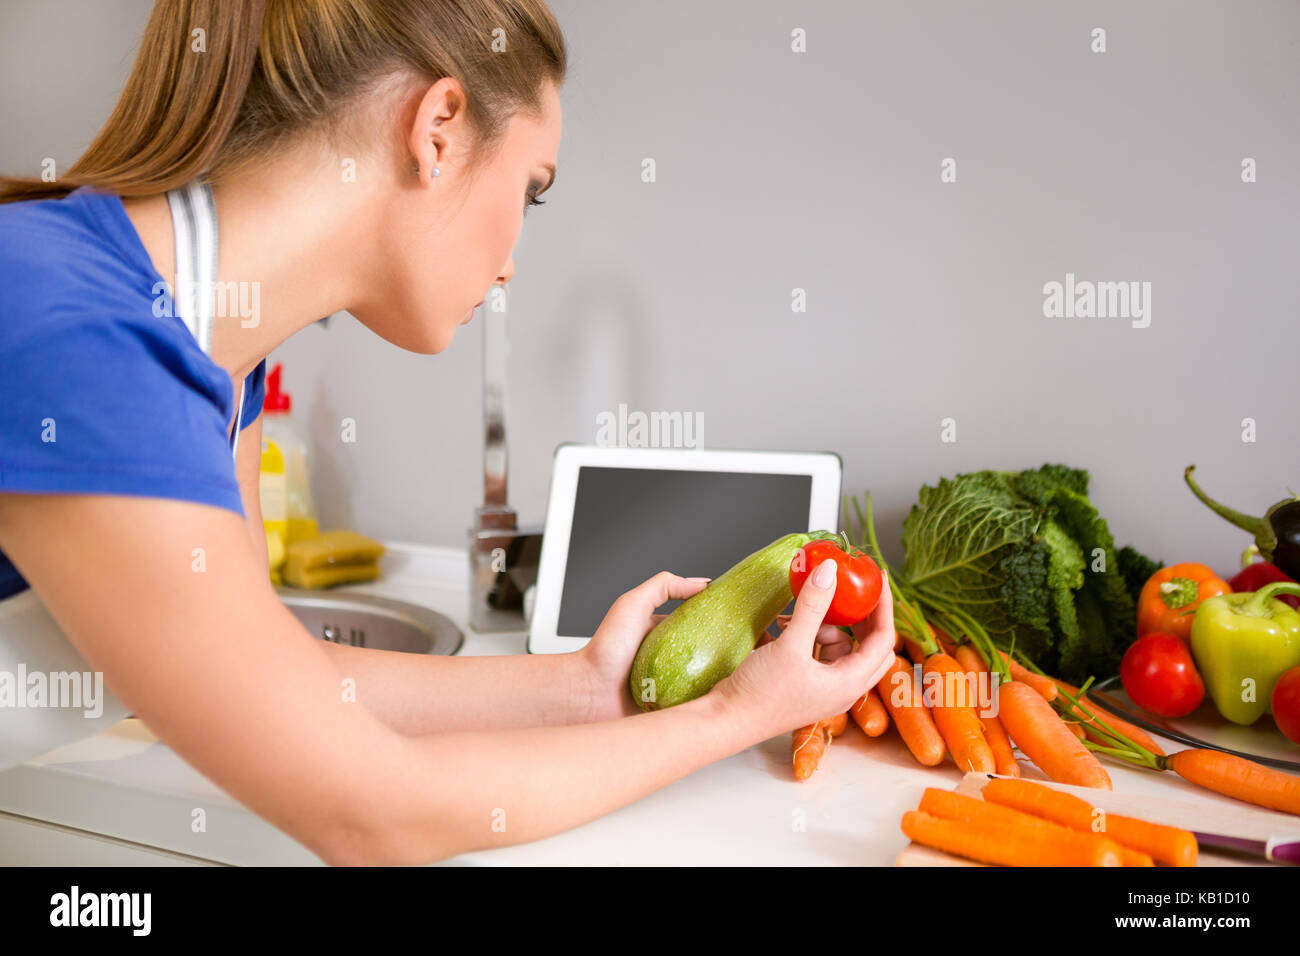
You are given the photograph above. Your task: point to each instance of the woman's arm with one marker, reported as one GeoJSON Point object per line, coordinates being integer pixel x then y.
{"type": "Point", "coordinates": [248, 471]}
{"type": "Point", "coordinates": [421, 694]}
{"type": "Point", "coordinates": [167, 599]}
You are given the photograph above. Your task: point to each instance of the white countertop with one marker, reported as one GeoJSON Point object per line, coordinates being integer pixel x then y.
{"type": "Point", "coordinates": [747, 809]}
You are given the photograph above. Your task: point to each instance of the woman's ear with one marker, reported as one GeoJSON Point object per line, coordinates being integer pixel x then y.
{"type": "Point", "coordinates": [439, 120]}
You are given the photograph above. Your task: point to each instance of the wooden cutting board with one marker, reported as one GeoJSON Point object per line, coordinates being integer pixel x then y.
{"type": "Point", "coordinates": [1248, 822]}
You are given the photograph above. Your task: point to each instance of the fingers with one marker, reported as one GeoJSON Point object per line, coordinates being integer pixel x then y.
{"type": "Point", "coordinates": [865, 666]}
{"type": "Point", "coordinates": [879, 620]}
{"type": "Point", "coordinates": [833, 643]}
{"type": "Point", "coordinates": [663, 587]}
{"type": "Point", "coordinates": [810, 608]}
{"type": "Point", "coordinates": [886, 661]}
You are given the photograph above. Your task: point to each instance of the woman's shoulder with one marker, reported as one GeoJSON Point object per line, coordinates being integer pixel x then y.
{"type": "Point", "coordinates": [82, 243]}
{"type": "Point", "coordinates": [97, 377]}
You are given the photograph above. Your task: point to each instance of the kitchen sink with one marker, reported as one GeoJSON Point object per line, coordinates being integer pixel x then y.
{"type": "Point", "coordinates": [366, 620]}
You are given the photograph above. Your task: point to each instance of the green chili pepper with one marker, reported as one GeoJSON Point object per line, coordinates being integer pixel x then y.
{"type": "Point", "coordinates": [1242, 644]}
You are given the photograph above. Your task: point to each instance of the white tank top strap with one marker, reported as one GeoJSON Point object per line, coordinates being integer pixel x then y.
{"type": "Point", "coordinates": [194, 223]}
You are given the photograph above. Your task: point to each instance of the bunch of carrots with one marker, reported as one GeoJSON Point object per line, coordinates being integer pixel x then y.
{"type": "Point", "coordinates": [1044, 717]}
{"type": "Point", "coordinates": [1022, 823]}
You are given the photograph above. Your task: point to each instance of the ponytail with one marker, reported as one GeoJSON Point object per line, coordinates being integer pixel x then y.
{"type": "Point", "coordinates": [180, 103]}
{"type": "Point", "coordinates": [218, 83]}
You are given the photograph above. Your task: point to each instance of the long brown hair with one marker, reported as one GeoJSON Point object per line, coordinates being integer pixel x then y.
{"type": "Point", "coordinates": [217, 83]}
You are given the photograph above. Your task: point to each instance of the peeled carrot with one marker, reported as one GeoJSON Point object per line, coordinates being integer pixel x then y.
{"type": "Point", "coordinates": [1135, 734]}
{"type": "Point", "coordinates": [915, 725]}
{"type": "Point", "coordinates": [1077, 729]}
{"type": "Point", "coordinates": [808, 745]}
{"type": "Point", "coordinates": [955, 716]}
{"type": "Point", "coordinates": [1131, 857]}
{"type": "Point", "coordinates": [958, 806]}
{"type": "Point", "coordinates": [1004, 758]}
{"type": "Point", "coordinates": [1004, 844]}
{"type": "Point", "coordinates": [870, 714]}
{"type": "Point", "coordinates": [1041, 734]}
{"type": "Point", "coordinates": [1170, 845]}
{"type": "Point", "coordinates": [1238, 777]}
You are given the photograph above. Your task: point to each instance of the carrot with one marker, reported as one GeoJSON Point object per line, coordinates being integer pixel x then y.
{"type": "Point", "coordinates": [1131, 857]}
{"type": "Point", "coordinates": [1135, 734]}
{"type": "Point", "coordinates": [946, 642]}
{"type": "Point", "coordinates": [1167, 844]}
{"type": "Point", "coordinates": [914, 651]}
{"type": "Point", "coordinates": [1005, 845]}
{"type": "Point", "coordinates": [898, 642]}
{"type": "Point", "coordinates": [955, 716]}
{"type": "Point", "coordinates": [1004, 758]}
{"type": "Point", "coordinates": [949, 805]}
{"type": "Point", "coordinates": [1023, 674]}
{"type": "Point", "coordinates": [970, 659]}
{"type": "Point", "coordinates": [915, 725]}
{"type": "Point", "coordinates": [1238, 777]}
{"type": "Point", "coordinates": [870, 714]}
{"type": "Point", "coordinates": [1077, 729]}
{"type": "Point", "coordinates": [836, 725]}
{"type": "Point", "coordinates": [1040, 733]}
{"type": "Point", "coordinates": [808, 746]}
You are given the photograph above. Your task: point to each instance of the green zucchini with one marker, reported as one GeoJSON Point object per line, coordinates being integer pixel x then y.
{"type": "Point", "coordinates": [706, 637]}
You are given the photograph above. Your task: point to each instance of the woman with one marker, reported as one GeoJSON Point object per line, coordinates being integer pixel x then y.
{"type": "Point", "coordinates": [368, 155]}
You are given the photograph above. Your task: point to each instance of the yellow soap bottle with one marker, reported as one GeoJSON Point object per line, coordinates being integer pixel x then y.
{"type": "Point", "coordinates": [281, 432]}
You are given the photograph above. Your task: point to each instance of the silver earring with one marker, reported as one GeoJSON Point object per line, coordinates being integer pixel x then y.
{"type": "Point", "coordinates": [437, 171]}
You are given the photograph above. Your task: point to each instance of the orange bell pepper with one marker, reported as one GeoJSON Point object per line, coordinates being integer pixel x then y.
{"type": "Point", "coordinates": [1171, 595]}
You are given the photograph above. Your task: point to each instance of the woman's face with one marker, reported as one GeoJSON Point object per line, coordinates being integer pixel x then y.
{"type": "Point", "coordinates": [444, 241]}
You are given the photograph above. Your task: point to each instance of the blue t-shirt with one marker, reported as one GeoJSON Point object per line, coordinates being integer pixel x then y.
{"type": "Point", "coordinates": [98, 392]}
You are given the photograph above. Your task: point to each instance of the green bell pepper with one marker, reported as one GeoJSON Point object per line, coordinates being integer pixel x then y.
{"type": "Point", "coordinates": [1242, 644]}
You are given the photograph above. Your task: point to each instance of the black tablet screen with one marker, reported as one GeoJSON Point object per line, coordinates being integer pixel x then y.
{"type": "Point", "coordinates": [631, 523]}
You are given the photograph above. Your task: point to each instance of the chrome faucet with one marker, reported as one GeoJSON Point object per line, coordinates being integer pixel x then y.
{"type": "Point", "coordinates": [503, 557]}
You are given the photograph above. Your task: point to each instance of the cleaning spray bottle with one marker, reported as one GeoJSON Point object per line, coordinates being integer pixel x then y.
{"type": "Point", "coordinates": [288, 508]}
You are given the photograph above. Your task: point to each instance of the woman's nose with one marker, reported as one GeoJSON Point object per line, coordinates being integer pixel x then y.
{"type": "Point", "coordinates": [508, 272]}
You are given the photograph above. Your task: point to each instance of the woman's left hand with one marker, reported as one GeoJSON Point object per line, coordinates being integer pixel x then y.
{"type": "Point", "coordinates": [605, 664]}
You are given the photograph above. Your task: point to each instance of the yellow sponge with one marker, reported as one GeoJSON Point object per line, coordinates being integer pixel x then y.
{"type": "Point", "coordinates": [336, 557]}
{"type": "Point", "coordinates": [332, 574]}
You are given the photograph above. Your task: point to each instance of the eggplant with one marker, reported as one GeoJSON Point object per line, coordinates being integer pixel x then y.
{"type": "Point", "coordinates": [1277, 534]}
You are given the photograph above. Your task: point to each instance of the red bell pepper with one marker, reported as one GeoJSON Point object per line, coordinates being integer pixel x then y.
{"type": "Point", "coordinates": [1254, 576]}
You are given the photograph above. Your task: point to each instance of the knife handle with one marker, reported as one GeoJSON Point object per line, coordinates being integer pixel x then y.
{"type": "Point", "coordinates": [1283, 850]}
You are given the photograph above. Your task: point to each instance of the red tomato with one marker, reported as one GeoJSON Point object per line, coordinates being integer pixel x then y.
{"type": "Point", "coordinates": [1286, 704]}
{"type": "Point", "coordinates": [857, 581]}
{"type": "Point", "coordinates": [1159, 674]}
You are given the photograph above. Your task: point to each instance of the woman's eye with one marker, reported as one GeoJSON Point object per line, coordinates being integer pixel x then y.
{"type": "Point", "coordinates": [533, 201]}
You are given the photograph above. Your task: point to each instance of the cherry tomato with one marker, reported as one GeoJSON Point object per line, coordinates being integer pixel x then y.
{"type": "Point", "coordinates": [857, 581]}
{"type": "Point", "coordinates": [1286, 704]}
{"type": "Point", "coordinates": [1159, 674]}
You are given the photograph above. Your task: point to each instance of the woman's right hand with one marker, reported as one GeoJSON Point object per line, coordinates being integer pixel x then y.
{"type": "Point", "coordinates": [782, 686]}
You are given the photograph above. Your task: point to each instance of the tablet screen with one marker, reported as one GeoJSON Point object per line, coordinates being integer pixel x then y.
{"type": "Point", "coordinates": [631, 523]}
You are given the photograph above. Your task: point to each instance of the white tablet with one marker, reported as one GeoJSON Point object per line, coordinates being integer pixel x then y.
{"type": "Point", "coordinates": [618, 516]}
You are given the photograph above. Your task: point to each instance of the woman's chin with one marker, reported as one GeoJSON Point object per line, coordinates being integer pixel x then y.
{"type": "Point", "coordinates": [423, 338]}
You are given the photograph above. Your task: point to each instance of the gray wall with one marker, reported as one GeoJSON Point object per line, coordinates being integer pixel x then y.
{"type": "Point", "coordinates": [821, 171]}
